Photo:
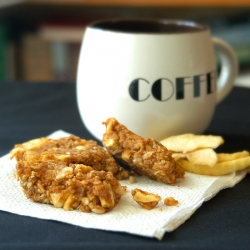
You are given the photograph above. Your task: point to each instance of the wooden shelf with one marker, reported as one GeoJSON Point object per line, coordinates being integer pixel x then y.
{"type": "Point", "coordinates": [177, 3]}
{"type": "Point", "coordinates": [134, 3]}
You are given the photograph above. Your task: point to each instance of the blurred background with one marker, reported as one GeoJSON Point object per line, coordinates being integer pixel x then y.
{"type": "Point", "coordinates": [40, 39]}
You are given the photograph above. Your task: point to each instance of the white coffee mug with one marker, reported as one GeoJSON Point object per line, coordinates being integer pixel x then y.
{"type": "Point", "coordinates": [157, 77]}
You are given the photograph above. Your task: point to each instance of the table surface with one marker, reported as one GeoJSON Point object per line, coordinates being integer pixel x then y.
{"type": "Point", "coordinates": [31, 110]}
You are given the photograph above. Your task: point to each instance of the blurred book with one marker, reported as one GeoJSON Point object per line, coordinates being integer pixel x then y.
{"type": "Point", "coordinates": [62, 30]}
{"type": "Point", "coordinates": [53, 50]}
{"type": "Point", "coordinates": [7, 54]}
{"type": "Point", "coordinates": [60, 56]}
{"type": "Point", "coordinates": [42, 60]}
{"type": "Point", "coordinates": [65, 38]}
{"type": "Point", "coordinates": [36, 60]}
{"type": "Point", "coordinates": [64, 60]}
{"type": "Point", "coordinates": [74, 52]}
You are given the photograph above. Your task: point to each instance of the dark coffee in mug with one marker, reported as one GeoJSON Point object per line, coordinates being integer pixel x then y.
{"type": "Point", "coordinates": [150, 26]}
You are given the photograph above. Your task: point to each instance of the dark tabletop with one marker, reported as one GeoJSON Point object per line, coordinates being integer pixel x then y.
{"type": "Point", "coordinates": [31, 110]}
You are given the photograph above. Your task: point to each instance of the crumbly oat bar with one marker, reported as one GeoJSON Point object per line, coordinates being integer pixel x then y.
{"type": "Point", "coordinates": [73, 186]}
{"type": "Point", "coordinates": [68, 150]}
{"type": "Point", "coordinates": [145, 156]}
{"type": "Point", "coordinates": [68, 173]}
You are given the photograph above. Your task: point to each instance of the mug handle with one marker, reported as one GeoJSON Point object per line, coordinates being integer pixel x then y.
{"type": "Point", "coordinates": [229, 68]}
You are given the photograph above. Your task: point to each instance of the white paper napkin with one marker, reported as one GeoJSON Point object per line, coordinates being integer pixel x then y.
{"type": "Point", "coordinates": [127, 216]}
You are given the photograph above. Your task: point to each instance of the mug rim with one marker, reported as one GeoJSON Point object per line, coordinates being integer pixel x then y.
{"type": "Point", "coordinates": [123, 25]}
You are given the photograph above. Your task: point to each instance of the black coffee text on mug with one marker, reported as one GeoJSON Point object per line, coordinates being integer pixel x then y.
{"type": "Point", "coordinates": [179, 89]}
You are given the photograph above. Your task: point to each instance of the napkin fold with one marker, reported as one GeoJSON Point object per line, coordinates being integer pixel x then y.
{"type": "Point", "coordinates": [127, 216]}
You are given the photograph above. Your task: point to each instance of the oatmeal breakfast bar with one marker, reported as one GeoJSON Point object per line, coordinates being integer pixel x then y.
{"type": "Point", "coordinates": [71, 149]}
{"type": "Point", "coordinates": [69, 173]}
{"type": "Point", "coordinates": [145, 156]}
{"type": "Point", "coordinates": [73, 186]}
